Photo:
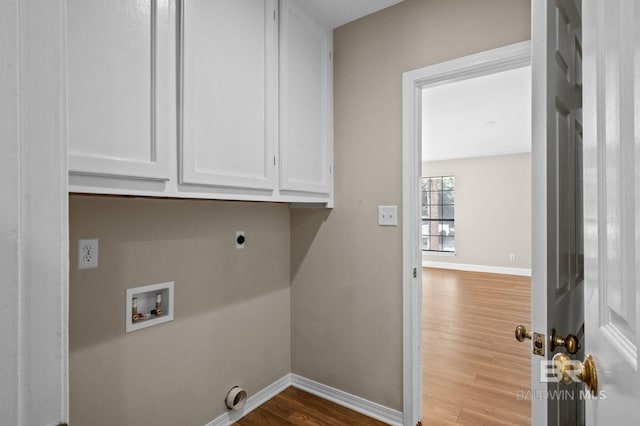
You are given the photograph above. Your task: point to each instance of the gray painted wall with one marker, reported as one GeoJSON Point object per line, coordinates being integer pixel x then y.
{"type": "Point", "coordinates": [232, 317]}
{"type": "Point", "coordinates": [346, 294]}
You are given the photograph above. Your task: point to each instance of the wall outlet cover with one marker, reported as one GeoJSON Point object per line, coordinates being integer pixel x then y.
{"type": "Point", "coordinates": [88, 253]}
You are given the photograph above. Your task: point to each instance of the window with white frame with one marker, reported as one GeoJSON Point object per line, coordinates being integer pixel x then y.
{"type": "Point", "coordinates": [438, 226]}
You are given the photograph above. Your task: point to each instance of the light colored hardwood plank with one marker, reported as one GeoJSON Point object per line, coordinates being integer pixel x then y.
{"type": "Point", "coordinates": [441, 409]}
{"type": "Point", "coordinates": [429, 419]}
{"type": "Point", "coordinates": [472, 365]}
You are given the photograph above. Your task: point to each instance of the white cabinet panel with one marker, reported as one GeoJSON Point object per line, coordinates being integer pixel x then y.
{"type": "Point", "coordinates": [199, 99]}
{"type": "Point", "coordinates": [119, 87]}
{"type": "Point", "coordinates": [305, 102]}
{"type": "Point", "coordinates": [229, 93]}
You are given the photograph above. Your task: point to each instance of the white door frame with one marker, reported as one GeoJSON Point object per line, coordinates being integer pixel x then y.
{"type": "Point", "coordinates": [33, 216]}
{"type": "Point", "coordinates": [488, 62]}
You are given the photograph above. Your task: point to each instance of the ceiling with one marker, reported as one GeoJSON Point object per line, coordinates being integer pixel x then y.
{"type": "Point", "coordinates": [334, 13]}
{"type": "Point", "coordinates": [478, 117]}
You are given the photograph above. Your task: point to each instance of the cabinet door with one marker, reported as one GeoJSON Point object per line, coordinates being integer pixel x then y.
{"type": "Point", "coordinates": [305, 102]}
{"type": "Point", "coordinates": [229, 93]}
{"type": "Point", "coordinates": [119, 88]}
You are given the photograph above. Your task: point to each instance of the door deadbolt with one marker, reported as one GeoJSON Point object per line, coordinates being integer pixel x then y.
{"type": "Point", "coordinates": [571, 342]}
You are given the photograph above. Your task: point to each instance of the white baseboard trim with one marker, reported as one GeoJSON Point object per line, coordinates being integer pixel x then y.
{"type": "Point", "coordinates": [355, 403]}
{"type": "Point", "coordinates": [477, 268]}
{"type": "Point", "coordinates": [253, 402]}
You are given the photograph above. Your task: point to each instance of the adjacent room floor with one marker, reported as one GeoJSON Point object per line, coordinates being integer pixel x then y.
{"type": "Point", "coordinates": [473, 368]}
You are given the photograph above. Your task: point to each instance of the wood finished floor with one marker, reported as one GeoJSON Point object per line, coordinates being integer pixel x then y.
{"type": "Point", "coordinates": [296, 407]}
{"type": "Point", "coordinates": [472, 365]}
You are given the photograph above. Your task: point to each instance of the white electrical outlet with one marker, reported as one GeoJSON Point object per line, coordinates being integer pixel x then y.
{"type": "Point", "coordinates": [88, 253]}
{"type": "Point", "coordinates": [512, 257]}
{"type": "Point", "coordinates": [388, 215]}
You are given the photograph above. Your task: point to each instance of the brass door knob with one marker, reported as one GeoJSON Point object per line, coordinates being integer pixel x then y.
{"type": "Point", "coordinates": [571, 342]}
{"type": "Point", "coordinates": [522, 333]}
{"type": "Point", "coordinates": [569, 371]}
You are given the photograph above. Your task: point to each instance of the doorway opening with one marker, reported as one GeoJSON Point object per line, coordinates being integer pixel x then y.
{"type": "Point", "coordinates": [464, 204]}
{"type": "Point", "coordinates": [476, 247]}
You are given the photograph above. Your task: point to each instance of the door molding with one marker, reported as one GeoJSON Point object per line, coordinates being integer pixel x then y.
{"type": "Point", "coordinates": [34, 244]}
{"type": "Point", "coordinates": [501, 59]}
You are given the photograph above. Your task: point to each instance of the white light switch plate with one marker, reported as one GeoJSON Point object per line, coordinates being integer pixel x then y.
{"type": "Point", "coordinates": [388, 215]}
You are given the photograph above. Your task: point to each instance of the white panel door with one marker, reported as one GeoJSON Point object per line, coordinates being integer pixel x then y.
{"type": "Point", "coordinates": [229, 93]}
{"type": "Point", "coordinates": [305, 102]}
{"type": "Point", "coordinates": [558, 271]}
{"type": "Point", "coordinates": [612, 206]}
{"type": "Point", "coordinates": [119, 87]}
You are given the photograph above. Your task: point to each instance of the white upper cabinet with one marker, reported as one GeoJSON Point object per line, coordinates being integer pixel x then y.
{"type": "Point", "coordinates": [119, 97]}
{"type": "Point", "coordinates": [216, 99]}
{"type": "Point", "coordinates": [305, 102]}
{"type": "Point", "coordinates": [228, 124]}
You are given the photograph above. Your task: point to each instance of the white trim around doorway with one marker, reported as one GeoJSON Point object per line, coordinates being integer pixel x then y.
{"type": "Point", "coordinates": [488, 62]}
{"type": "Point", "coordinates": [34, 242]}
